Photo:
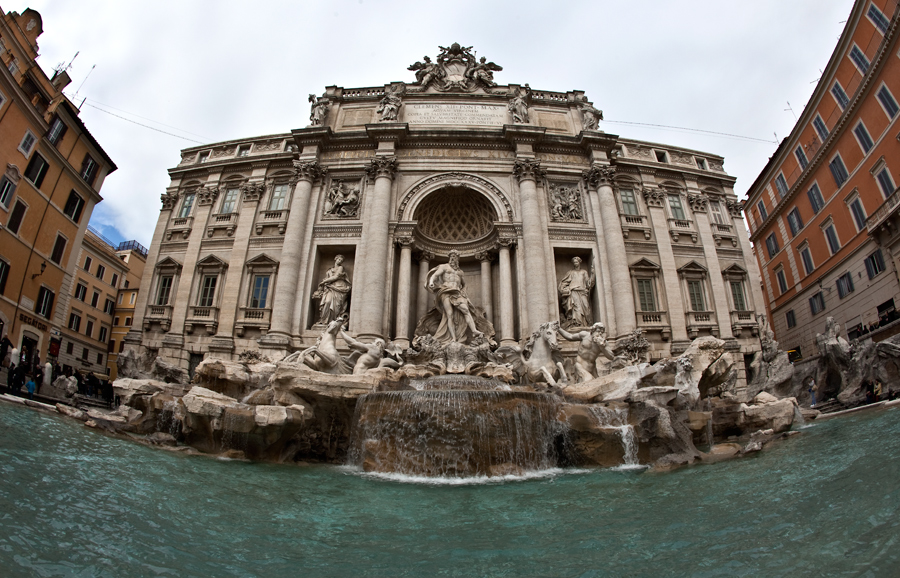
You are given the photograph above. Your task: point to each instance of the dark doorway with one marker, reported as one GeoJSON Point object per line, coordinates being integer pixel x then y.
{"type": "Point", "coordinates": [193, 362]}
{"type": "Point", "coordinates": [28, 348]}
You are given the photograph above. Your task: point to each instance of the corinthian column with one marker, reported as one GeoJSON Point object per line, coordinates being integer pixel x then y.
{"type": "Point", "coordinates": [527, 171]}
{"type": "Point", "coordinates": [425, 258]}
{"type": "Point", "coordinates": [375, 239]}
{"type": "Point", "coordinates": [401, 331]}
{"type": "Point", "coordinates": [305, 174]}
{"type": "Point", "coordinates": [600, 179]}
{"type": "Point", "coordinates": [506, 294]}
{"type": "Point", "coordinates": [486, 291]}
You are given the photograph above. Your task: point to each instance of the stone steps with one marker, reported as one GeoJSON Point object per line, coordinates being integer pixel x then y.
{"type": "Point", "coordinates": [830, 406]}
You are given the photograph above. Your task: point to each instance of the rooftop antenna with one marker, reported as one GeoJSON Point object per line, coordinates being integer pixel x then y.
{"type": "Point", "coordinates": [792, 111]}
{"type": "Point", "coordinates": [63, 67]}
{"type": "Point", "coordinates": [83, 81]}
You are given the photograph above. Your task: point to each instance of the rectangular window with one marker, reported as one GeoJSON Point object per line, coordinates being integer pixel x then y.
{"type": "Point", "coordinates": [772, 245]}
{"type": "Point", "coordinates": [859, 214]}
{"type": "Point", "coordinates": [102, 336]}
{"type": "Point", "coordinates": [70, 347]}
{"type": "Point", "coordinates": [121, 295]}
{"type": "Point", "coordinates": [701, 163]}
{"type": "Point", "coordinates": [74, 321]}
{"type": "Point", "coordinates": [7, 188]}
{"type": "Point", "coordinates": [845, 285]}
{"type": "Point", "coordinates": [762, 210]}
{"type": "Point", "coordinates": [128, 322]}
{"type": "Point", "coordinates": [204, 156]}
{"type": "Point", "coordinates": [27, 143]}
{"type": "Point", "coordinates": [95, 299]}
{"type": "Point", "coordinates": [74, 205]}
{"type": "Point", "coordinates": [859, 59]}
{"type": "Point", "coordinates": [878, 19]}
{"type": "Point", "coordinates": [794, 221]}
{"type": "Point", "coordinates": [782, 281]}
{"type": "Point", "coordinates": [715, 209]}
{"type": "Point", "coordinates": [791, 319]}
{"type": "Point", "coordinates": [115, 279]}
{"type": "Point", "coordinates": [243, 151]}
{"type": "Point", "coordinates": [162, 292]}
{"type": "Point", "coordinates": [885, 182]}
{"type": "Point", "coordinates": [116, 321]}
{"type": "Point", "coordinates": [186, 205]}
{"type": "Point", "coordinates": [817, 303]}
{"type": "Point", "coordinates": [84, 353]}
{"type": "Point", "coordinates": [815, 198]}
{"type": "Point", "coordinates": [15, 218]}
{"type": "Point", "coordinates": [831, 237]}
{"type": "Point", "coordinates": [737, 296]}
{"type": "Point", "coordinates": [208, 290]}
{"type": "Point", "coordinates": [695, 293]}
{"type": "Point", "coordinates": [44, 304]}
{"type": "Point", "coordinates": [781, 185]}
{"type": "Point", "coordinates": [4, 275]}
{"type": "Point", "coordinates": [801, 157]}
{"type": "Point", "coordinates": [131, 300]}
{"type": "Point", "coordinates": [260, 291]}
{"type": "Point", "coordinates": [229, 201]}
{"type": "Point", "coordinates": [646, 298]}
{"type": "Point", "coordinates": [99, 359]}
{"type": "Point", "coordinates": [101, 271]}
{"type": "Point", "coordinates": [820, 127]}
{"type": "Point", "coordinates": [89, 169]}
{"type": "Point", "coordinates": [806, 259]}
{"type": "Point", "coordinates": [862, 136]}
{"type": "Point", "coordinates": [57, 130]}
{"type": "Point", "coordinates": [87, 263]}
{"type": "Point", "coordinates": [89, 328]}
{"type": "Point", "coordinates": [675, 206]}
{"type": "Point", "coordinates": [661, 157]}
{"type": "Point", "coordinates": [837, 91]}
{"type": "Point", "coordinates": [629, 204]}
{"type": "Point", "coordinates": [36, 170]}
{"type": "Point", "coordinates": [279, 197]}
{"type": "Point", "coordinates": [838, 170]}
{"type": "Point", "coordinates": [80, 292]}
{"type": "Point", "coordinates": [13, 67]}
{"type": "Point", "coordinates": [58, 249]}
{"type": "Point", "coordinates": [887, 101]}
{"type": "Point", "coordinates": [121, 346]}
{"type": "Point", "coordinates": [874, 264]}
{"type": "Point", "coordinates": [109, 307]}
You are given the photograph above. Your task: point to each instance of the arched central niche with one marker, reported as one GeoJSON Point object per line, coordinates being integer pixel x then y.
{"type": "Point", "coordinates": [454, 215]}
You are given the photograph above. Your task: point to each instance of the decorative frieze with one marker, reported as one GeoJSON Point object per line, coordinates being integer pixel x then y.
{"type": "Point", "coordinates": [269, 146]}
{"type": "Point", "coordinates": [528, 169]}
{"type": "Point", "coordinates": [337, 231]}
{"type": "Point", "coordinates": [382, 167]}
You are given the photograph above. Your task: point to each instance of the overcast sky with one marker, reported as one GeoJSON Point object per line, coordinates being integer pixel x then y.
{"type": "Point", "coordinates": [218, 70]}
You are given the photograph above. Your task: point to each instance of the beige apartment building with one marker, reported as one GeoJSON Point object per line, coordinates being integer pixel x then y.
{"type": "Point", "coordinates": [134, 256]}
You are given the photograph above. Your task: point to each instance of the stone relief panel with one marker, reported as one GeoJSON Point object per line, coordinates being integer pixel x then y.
{"type": "Point", "coordinates": [342, 200]}
{"type": "Point", "coordinates": [565, 203]}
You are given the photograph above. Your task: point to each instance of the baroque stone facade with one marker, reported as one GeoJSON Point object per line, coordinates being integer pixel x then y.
{"type": "Point", "coordinates": [517, 181]}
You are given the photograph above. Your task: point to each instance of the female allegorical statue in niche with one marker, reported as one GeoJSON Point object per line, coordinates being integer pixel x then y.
{"type": "Point", "coordinates": [575, 293]}
{"type": "Point", "coordinates": [332, 292]}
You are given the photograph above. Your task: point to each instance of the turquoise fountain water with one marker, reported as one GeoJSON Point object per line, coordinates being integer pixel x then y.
{"type": "Point", "coordinates": [77, 503]}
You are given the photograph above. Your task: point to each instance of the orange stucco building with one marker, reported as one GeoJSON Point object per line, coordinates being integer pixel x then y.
{"type": "Point", "coordinates": [816, 209]}
{"type": "Point", "coordinates": [51, 171]}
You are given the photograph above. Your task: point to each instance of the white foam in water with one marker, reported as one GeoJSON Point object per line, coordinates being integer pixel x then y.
{"type": "Point", "coordinates": [463, 481]}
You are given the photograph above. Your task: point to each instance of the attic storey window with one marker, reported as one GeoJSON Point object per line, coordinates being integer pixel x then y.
{"type": "Point", "coordinates": [89, 169]}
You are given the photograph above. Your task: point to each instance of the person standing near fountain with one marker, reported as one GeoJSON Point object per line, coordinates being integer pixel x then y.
{"type": "Point", "coordinates": [447, 283]}
{"type": "Point", "coordinates": [575, 292]}
{"type": "Point", "coordinates": [592, 344]}
{"type": "Point", "coordinates": [332, 292]}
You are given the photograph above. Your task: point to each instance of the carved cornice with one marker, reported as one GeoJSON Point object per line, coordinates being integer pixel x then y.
{"type": "Point", "coordinates": [597, 176]}
{"type": "Point", "coordinates": [528, 169]}
{"type": "Point", "coordinates": [169, 200]}
{"type": "Point", "coordinates": [382, 167]}
{"type": "Point", "coordinates": [654, 197]}
{"type": "Point", "coordinates": [253, 191]}
{"type": "Point", "coordinates": [735, 208]}
{"type": "Point", "coordinates": [308, 171]}
{"type": "Point", "coordinates": [207, 195]}
{"type": "Point", "coordinates": [698, 203]}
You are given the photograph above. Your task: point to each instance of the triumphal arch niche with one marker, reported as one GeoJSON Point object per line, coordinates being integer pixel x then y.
{"type": "Point", "coordinates": [446, 207]}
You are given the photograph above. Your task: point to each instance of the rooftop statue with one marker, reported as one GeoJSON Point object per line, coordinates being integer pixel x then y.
{"type": "Point", "coordinates": [319, 109]}
{"type": "Point", "coordinates": [519, 101]}
{"type": "Point", "coordinates": [456, 70]}
{"type": "Point", "coordinates": [389, 107]}
{"type": "Point", "coordinates": [590, 116]}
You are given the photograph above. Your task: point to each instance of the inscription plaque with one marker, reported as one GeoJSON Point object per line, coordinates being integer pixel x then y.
{"type": "Point", "coordinates": [458, 114]}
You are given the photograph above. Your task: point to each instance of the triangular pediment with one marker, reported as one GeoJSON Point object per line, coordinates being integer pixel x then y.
{"type": "Point", "coordinates": [693, 267]}
{"type": "Point", "coordinates": [168, 263]}
{"type": "Point", "coordinates": [644, 264]}
{"type": "Point", "coordinates": [734, 269]}
{"type": "Point", "coordinates": [211, 261]}
{"type": "Point", "coordinates": [262, 260]}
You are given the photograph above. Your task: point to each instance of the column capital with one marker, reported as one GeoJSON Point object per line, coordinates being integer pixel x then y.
{"type": "Point", "coordinates": [654, 197]}
{"type": "Point", "coordinates": [735, 208]}
{"type": "Point", "coordinates": [253, 191]}
{"type": "Point", "coordinates": [207, 195]}
{"type": "Point", "coordinates": [382, 167]}
{"type": "Point", "coordinates": [404, 241]}
{"type": "Point", "coordinates": [506, 242]}
{"type": "Point", "coordinates": [169, 200]}
{"type": "Point", "coordinates": [426, 256]}
{"type": "Point", "coordinates": [484, 256]}
{"type": "Point", "coordinates": [599, 175]}
{"type": "Point", "coordinates": [698, 202]}
{"type": "Point", "coordinates": [528, 169]}
{"type": "Point", "coordinates": [308, 171]}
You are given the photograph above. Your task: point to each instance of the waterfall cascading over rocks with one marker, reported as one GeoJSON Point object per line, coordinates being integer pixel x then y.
{"type": "Point", "coordinates": [454, 433]}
